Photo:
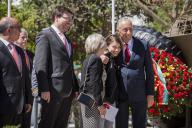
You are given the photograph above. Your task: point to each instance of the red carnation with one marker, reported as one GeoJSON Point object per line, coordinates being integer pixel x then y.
{"type": "Point", "coordinates": [168, 88]}
{"type": "Point", "coordinates": [165, 109]}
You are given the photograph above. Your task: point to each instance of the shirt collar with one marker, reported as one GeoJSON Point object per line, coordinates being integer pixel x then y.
{"type": "Point", "coordinates": [4, 41]}
{"type": "Point", "coordinates": [130, 43]}
{"type": "Point", "coordinates": [56, 29]}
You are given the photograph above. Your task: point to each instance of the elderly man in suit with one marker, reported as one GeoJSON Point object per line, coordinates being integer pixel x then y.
{"type": "Point", "coordinates": [54, 69]}
{"type": "Point", "coordinates": [136, 78]}
{"type": "Point", "coordinates": [14, 98]}
{"type": "Point", "coordinates": [22, 43]}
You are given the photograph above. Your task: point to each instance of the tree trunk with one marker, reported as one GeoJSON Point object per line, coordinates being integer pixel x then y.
{"type": "Point", "coordinates": [186, 7]}
{"type": "Point", "coordinates": [151, 13]}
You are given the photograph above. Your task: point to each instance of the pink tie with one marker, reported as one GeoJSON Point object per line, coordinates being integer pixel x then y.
{"type": "Point", "coordinates": [127, 54]}
{"type": "Point", "coordinates": [14, 55]}
{"type": "Point", "coordinates": [64, 42]}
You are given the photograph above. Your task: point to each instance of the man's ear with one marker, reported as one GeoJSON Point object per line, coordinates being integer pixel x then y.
{"type": "Point", "coordinates": [7, 31]}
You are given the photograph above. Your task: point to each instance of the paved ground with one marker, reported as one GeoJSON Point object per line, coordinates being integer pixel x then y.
{"type": "Point", "coordinates": [153, 124]}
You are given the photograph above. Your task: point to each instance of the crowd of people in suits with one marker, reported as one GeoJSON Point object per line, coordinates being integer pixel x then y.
{"type": "Point", "coordinates": [126, 60]}
{"type": "Point", "coordinates": [15, 68]}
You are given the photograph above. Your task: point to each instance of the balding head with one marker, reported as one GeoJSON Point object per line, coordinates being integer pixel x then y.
{"type": "Point", "coordinates": [8, 22]}
{"type": "Point", "coordinates": [9, 29]}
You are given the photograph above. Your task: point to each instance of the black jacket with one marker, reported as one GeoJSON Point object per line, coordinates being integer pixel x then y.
{"type": "Point", "coordinates": [93, 84]}
{"type": "Point", "coordinates": [111, 82]}
{"type": "Point", "coordinates": [13, 83]}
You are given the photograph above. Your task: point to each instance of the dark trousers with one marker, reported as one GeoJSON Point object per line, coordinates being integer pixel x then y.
{"type": "Point", "coordinates": [26, 120]}
{"type": "Point", "coordinates": [55, 114]}
{"type": "Point", "coordinates": [10, 119]}
{"type": "Point", "coordinates": [138, 111]}
{"type": "Point", "coordinates": [22, 119]}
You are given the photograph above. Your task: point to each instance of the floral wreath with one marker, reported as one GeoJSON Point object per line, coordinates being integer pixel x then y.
{"type": "Point", "coordinates": [173, 84]}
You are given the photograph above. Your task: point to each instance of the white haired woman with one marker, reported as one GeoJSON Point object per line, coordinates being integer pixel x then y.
{"type": "Point", "coordinates": [92, 70]}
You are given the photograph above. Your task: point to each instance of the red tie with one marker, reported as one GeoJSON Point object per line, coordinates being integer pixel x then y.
{"type": "Point", "coordinates": [127, 54]}
{"type": "Point", "coordinates": [27, 59]}
{"type": "Point", "coordinates": [14, 55]}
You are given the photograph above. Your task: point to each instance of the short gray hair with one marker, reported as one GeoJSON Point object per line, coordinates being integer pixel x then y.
{"type": "Point", "coordinates": [94, 42]}
{"type": "Point", "coordinates": [123, 19]}
{"type": "Point", "coordinates": [24, 31]}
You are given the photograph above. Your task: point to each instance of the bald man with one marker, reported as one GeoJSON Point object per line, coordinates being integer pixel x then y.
{"type": "Point", "coordinates": [13, 74]}
{"type": "Point", "coordinates": [136, 77]}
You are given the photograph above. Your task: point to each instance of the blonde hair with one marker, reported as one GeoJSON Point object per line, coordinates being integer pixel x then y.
{"type": "Point", "coordinates": [94, 42]}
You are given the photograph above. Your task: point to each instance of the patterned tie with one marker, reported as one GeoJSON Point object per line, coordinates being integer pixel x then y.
{"type": "Point", "coordinates": [14, 55]}
{"type": "Point", "coordinates": [127, 53]}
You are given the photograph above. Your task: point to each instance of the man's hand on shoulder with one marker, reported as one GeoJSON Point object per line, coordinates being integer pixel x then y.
{"type": "Point", "coordinates": [104, 59]}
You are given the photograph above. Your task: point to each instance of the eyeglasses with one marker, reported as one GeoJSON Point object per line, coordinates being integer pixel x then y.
{"type": "Point", "coordinates": [68, 18]}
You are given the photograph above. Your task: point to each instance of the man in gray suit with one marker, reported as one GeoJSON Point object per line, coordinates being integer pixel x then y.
{"type": "Point", "coordinates": [136, 87]}
{"type": "Point", "coordinates": [54, 69]}
{"type": "Point", "coordinates": [14, 90]}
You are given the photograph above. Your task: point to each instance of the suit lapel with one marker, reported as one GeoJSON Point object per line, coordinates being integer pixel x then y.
{"type": "Point", "coordinates": [8, 54]}
{"type": "Point", "coordinates": [70, 46]}
{"type": "Point", "coordinates": [20, 58]}
{"type": "Point", "coordinates": [133, 51]}
{"type": "Point", "coordinates": [59, 41]}
{"type": "Point", "coordinates": [132, 56]}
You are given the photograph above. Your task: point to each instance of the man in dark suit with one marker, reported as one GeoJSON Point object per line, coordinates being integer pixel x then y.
{"type": "Point", "coordinates": [54, 69]}
{"type": "Point", "coordinates": [136, 78]}
{"type": "Point", "coordinates": [14, 98]}
{"type": "Point", "coordinates": [22, 43]}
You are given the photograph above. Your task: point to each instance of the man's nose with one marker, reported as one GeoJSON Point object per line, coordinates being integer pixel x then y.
{"type": "Point", "coordinates": [128, 31]}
